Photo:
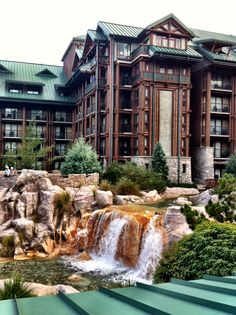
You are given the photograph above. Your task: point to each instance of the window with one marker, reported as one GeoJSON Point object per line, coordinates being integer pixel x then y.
{"type": "Point", "coordinates": [218, 81]}
{"type": "Point", "coordinates": [36, 114]}
{"type": "Point", "coordinates": [60, 116]}
{"type": "Point", "coordinates": [11, 130]}
{"type": "Point", "coordinates": [170, 42]}
{"type": "Point", "coordinates": [60, 149]}
{"type": "Point", "coordinates": [10, 147]}
{"type": "Point", "coordinates": [123, 50]}
{"type": "Point", "coordinates": [11, 113]}
{"type": "Point", "coordinates": [184, 168]}
{"type": "Point", "coordinates": [146, 91]}
{"type": "Point", "coordinates": [162, 70]}
{"type": "Point", "coordinates": [170, 71]}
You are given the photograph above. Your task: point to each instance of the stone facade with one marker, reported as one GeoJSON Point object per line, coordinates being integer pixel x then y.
{"type": "Point", "coordinates": [172, 162]}
{"type": "Point", "coordinates": [74, 180]}
{"type": "Point", "coordinates": [203, 164]}
{"type": "Point", "coordinates": [185, 172]}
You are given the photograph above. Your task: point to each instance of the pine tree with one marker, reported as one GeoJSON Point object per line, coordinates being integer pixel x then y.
{"type": "Point", "coordinates": [158, 161]}
{"type": "Point", "coordinates": [231, 165]}
{"type": "Point", "coordinates": [81, 159]}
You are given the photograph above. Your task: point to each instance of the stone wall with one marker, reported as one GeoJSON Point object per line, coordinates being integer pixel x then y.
{"type": "Point", "coordinates": [74, 180]}
{"type": "Point", "coordinates": [202, 164]}
{"type": "Point", "coordinates": [185, 174]}
{"type": "Point", "coordinates": [172, 162]}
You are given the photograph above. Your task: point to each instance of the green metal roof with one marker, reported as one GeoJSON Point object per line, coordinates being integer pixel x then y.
{"type": "Point", "coordinates": [96, 36]}
{"type": "Point", "coordinates": [168, 17]}
{"type": "Point", "coordinates": [120, 30]}
{"type": "Point", "coordinates": [231, 58]}
{"type": "Point", "coordinates": [189, 52]}
{"type": "Point", "coordinates": [208, 296]}
{"type": "Point", "coordinates": [79, 52]}
{"type": "Point", "coordinates": [80, 38]}
{"type": "Point", "coordinates": [205, 36]}
{"type": "Point", "coordinates": [33, 74]}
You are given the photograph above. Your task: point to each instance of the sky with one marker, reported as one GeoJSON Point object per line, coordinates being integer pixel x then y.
{"type": "Point", "coordinates": [39, 31]}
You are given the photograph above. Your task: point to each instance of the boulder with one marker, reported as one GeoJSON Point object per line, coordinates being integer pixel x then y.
{"type": "Point", "coordinates": [20, 208]}
{"type": "Point", "coordinates": [84, 256]}
{"type": "Point", "coordinates": [103, 198]}
{"type": "Point", "coordinates": [182, 201]}
{"type": "Point", "coordinates": [48, 245]}
{"type": "Point", "coordinates": [30, 199]}
{"type": "Point", "coordinates": [40, 179]}
{"type": "Point", "coordinates": [150, 196]}
{"type": "Point", "coordinates": [175, 192]}
{"type": "Point", "coordinates": [25, 227]}
{"type": "Point", "coordinates": [84, 199]}
{"type": "Point", "coordinates": [202, 198]}
{"type": "Point", "coordinates": [79, 280]}
{"type": "Point", "coordinates": [92, 179]}
{"type": "Point", "coordinates": [127, 199]}
{"type": "Point", "coordinates": [175, 224]}
{"type": "Point", "coordinates": [7, 233]}
{"type": "Point", "coordinates": [201, 210]}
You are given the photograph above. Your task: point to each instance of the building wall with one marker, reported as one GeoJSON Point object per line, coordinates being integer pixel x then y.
{"type": "Point", "coordinates": [202, 164]}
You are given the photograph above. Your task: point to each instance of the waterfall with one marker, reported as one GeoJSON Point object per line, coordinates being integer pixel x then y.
{"type": "Point", "coordinates": [109, 242]}
{"type": "Point", "coordinates": [151, 250]}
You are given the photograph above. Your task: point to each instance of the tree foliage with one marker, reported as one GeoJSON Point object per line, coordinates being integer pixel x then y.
{"type": "Point", "coordinates": [193, 217]}
{"type": "Point", "coordinates": [158, 161]}
{"type": "Point", "coordinates": [81, 159]}
{"type": "Point", "coordinates": [211, 249]}
{"type": "Point", "coordinates": [231, 165]}
{"type": "Point", "coordinates": [224, 210]}
{"type": "Point", "coordinates": [30, 150]}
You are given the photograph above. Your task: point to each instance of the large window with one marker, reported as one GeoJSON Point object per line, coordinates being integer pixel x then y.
{"type": "Point", "coordinates": [60, 149]}
{"type": "Point", "coordinates": [123, 50]}
{"type": "Point", "coordinates": [218, 81]}
{"type": "Point", "coordinates": [12, 113]}
{"type": "Point", "coordinates": [11, 130]}
{"type": "Point", "coordinates": [220, 104]}
{"type": "Point", "coordinates": [170, 42]}
{"type": "Point", "coordinates": [10, 147]}
{"type": "Point", "coordinates": [36, 114]}
{"type": "Point", "coordinates": [60, 116]}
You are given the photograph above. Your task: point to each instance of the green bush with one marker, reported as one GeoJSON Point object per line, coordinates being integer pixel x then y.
{"type": "Point", "coordinates": [8, 248]}
{"type": "Point", "coordinates": [158, 161]}
{"type": "Point", "coordinates": [126, 187]}
{"type": "Point", "coordinates": [211, 249]}
{"type": "Point", "coordinates": [226, 185]}
{"type": "Point", "coordinates": [145, 179]}
{"type": "Point", "coordinates": [15, 288]}
{"type": "Point", "coordinates": [231, 165]}
{"type": "Point", "coordinates": [81, 159]}
{"type": "Point", "coordinates": [62, 206]}
{"type": "Point", "coordinates": [193, 217]}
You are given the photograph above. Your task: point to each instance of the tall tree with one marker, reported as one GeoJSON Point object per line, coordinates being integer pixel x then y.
{"type": "Point", "coordinates": [81, 159]}
{"type": "Point", "coordinates": [231, 165]}
{"type": "Point", "coordinates": [158, 161]}
{"type": "Point", "coordinates": [30, 150]}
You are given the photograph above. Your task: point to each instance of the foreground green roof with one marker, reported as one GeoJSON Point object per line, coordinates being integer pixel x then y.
{"type": "Point", "coordinates": [205, 36]}
{"type": "Point", "coordinates": [209, 296]}
{"type": "Point", "coordinates": [46, 76]}
{"type": "Point", "coordinates": [189, 52]}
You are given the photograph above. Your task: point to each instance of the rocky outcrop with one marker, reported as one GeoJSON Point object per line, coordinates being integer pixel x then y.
{"type": "Point", "coordinates": [127, 199]}
{"type": "Point", "coordinates": [175, 192]}
{"type": "Point", "coordinates": [204, 197]}
{"type": "Point", "coordinates": [182, 201]}
{"type": "Point", "coordinates": [103, 198]}
{"type": "Point", "coordinates": [175, 224]}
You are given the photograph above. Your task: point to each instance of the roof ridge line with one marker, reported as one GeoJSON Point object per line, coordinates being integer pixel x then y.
{"type": "Point", "coordinates": [121, 24]}
{"type": "Point", "coordinates": [30, 63]}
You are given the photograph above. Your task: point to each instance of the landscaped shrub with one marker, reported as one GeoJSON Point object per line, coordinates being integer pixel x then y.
{"type": "Point", "coordinates": [113, 173]}
{"type": "Point", "coordinates": [15, 289]}
{"type": "Point", "coordinates": [8, 247]}
{"type": "Point", "coordinates": [126, 187]}
{"type": "Point", "coordinates": [62, 207]}
{"type": "Point", "coordinates": [105, 185]}
{"type": "Point", "coordinates": [158, 161]}
{"type": "Point", "coordinates": [211, 249]}
{"type": "Point", "coordinates": [193, 217]}
{"type": "Point", "coordinates": [81, 159]}
{"type": "Point", "coordinates": [231, 165]}
{"type": "Point", "coordinates": [224, 210]}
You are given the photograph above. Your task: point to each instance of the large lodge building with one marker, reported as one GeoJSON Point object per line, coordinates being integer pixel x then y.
{"type": "Point", "coordinates": [124, 89]}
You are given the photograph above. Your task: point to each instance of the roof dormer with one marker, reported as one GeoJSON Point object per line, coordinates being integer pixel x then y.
{"type": "Point", "coordinates": [46, 73]}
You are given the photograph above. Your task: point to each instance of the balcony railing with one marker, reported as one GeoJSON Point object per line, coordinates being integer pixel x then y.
{"type": "Point", "coordinates": [141, 50]}
{"type": "Point", "coordinates": [90, 109]}
{"type": "Point", "coordinates": [221, 154]}
{"type": "Point", "coordinates": [125, 128]}
{"type": "Point", "coordinates": [67, 118]}
{"type": "Point", "coordinates": [102, 105]}
{"type": "Point", "coordinates": [219, 131]}
{"type": "Point", "coordinates": [223, 86]}
{"type": "Point", "coordinates": [126, 104]}
{"type": "Point", "coordinates": [126, 80]}
{"type": "Point", "coordinates": [102, 82]}
{"type": "Point", "coordinates": [63, 135]}
{"type": "Point", "coordinates": [91, 86]}
{"type": "Point", "coordinates": [12, 133]}
{"type": "Point", "coordinates": [219, 109]}
{"type": "Point", "coordinates": [17, 115]}
{"type": "Point", "coordinates": [36, 117]}
{"type": "Point", "coordinates": [124, 151]}
{"type": "Point", "coordinates": [102, 151]}
{"type": "Point", "coordinates": [59, 152]}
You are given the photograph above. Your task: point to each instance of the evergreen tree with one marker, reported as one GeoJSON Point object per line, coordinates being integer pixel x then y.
{"type": "Point", "coordinates": [231, 165]}
{"type": "Point", "coordinates": [81, 159]}
{"type": "Point", "coordinates": [158, 161]}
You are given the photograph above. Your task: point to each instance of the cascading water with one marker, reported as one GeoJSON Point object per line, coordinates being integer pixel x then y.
{"type": "Point", "coordinates": [113, 236]}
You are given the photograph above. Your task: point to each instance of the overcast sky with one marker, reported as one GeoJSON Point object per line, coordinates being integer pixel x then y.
{"type": "Point", "coordinates": [40, 30]}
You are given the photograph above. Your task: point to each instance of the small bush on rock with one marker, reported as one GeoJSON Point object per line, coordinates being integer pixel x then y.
{"type": "Point", "coordinates": [15, 288]}
{"type": "Point", "coordinates": [62, 207]}
{"type": "Point", "coordinates": [8, 247]}
{"type": "Point", "coordinates": [113, 173]}
{"type": "Point", "coordinates": [193, 217]}
{"type": "Point", "coordinates": [105, 185]}
{"type": "Point", "coordinates": [126, 187]}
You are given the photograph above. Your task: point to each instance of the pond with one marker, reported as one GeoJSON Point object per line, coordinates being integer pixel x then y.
{"type": "Point", "coordinates": [98, 272]}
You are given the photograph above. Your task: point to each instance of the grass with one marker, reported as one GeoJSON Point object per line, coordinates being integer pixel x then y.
{"type": "Point", "coordinates": [15, 288]}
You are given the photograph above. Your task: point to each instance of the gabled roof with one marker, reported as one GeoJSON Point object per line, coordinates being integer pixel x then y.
{"type": "Point", "coordinates": [80, 38]}
{"type": "Point", "coordinates": [28, 73]}
{"type": "Point", "coordinates": [169, 17]}
{"type": "Point", "coordinates": [120, 30]}
{"type": "Point", "coordinates": [79, 52]}
{"type": "Point", "coordinates": [208, 296]}
{"type": "Point", "coordinates": [96, 36]}
{"type": "Point", "coordinates": [220, 57]}
{"type": "Point", "coordinates": [4, 69]}
{"type": "Point", "coordinates": [46, 73]}
{"type": "Point", "coordinates": [205, 36]}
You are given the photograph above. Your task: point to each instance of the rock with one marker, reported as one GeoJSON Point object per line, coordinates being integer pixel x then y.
{"type": "Point", "coordinates": [82, 238]}
{"type": "Point", "coordinates": [18, 251]}
{"type": "Point", "coordinates": [103, 198]}
{"type": "Point", "coordinates": [21, 208]}
{"type": "Point", "coordinates": [181, 201]}
{"type": "Point", "coordinates": [150, 196]}
{"type": "Point", "coordinates": [5, 226]}
{"type": "Point", "coordinates": [92, 179]}
{"type": "Point", "coordinates": [7, 233]}
{"type": "Point", "coordinates": [84, 256]}
{"type": "Point", "coordinates": [79, 280]}
{"type": "Point", "coordinates": [201, 210]}
{"type": "Point", "coordinates": [25, 227]}
{"type": "Point", "coordinates": [48, 245]}
{"type": "Point", "coordinates": [30, 199]}
{"type": "Point", "coordinates": [175, 192]}
{"type": "Point", "coordinates": [127, 199]}
{"type": "Point", "coordinates": [175, 224]}
{"type": "Point", "coordinates": [67, 289]}
{"type": "Point", "coordinates": [84, 198]}
{"type": "Point", "coordinates": [40, 179]}
{"type": "Point", "coordinates": [202, 198]}
{"type": "Point", "coordinates": [215, 198]}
